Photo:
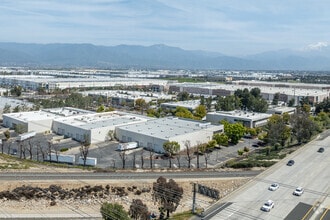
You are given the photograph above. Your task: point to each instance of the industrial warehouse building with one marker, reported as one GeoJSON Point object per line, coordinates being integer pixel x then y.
{"type": "Point", "coordinates": [248, 119]}
{"type": "Point", "coordinates": [39, 121]}
{"type": "Point", "coordinates": [191, 105]}
{"type": "Point", "coordinates": [148, 132]}
{"type": "Point", "coordinates": [95, 127]}
{"type": "Point", "coordinates": [286, 93]}
{"type": "Point", "coordinates": [35, 82]}
{"type": "Point", "coordinates": [153, 134]}
{"type": "Point", "coordinates": [123, 97]}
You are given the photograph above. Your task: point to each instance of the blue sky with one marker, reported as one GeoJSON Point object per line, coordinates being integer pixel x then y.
{"type": "Point", "coordinates": [231, 27]}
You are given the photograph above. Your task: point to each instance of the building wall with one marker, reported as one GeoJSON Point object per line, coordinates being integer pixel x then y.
{"type": "Point", "coordinates": [70, 131]}
{"type": "Point", "coordinates": [40, 125]}
{"type": "Point", "coordinates": [247, 122]}
{"type": "Point", "coordinates": [100, 134]}
{"type": "Point", "coordinates": [11, 122]}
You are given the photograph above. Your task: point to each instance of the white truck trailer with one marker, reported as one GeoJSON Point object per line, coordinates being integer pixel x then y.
{"type": "Point", "coordinates": [61, 158]}
{"type": "Point", "coordinates": [26, 136]}
{"type": "Point", "coordinates": [90, 161]}
{"type": "Point", "coordinates": [127, 146]}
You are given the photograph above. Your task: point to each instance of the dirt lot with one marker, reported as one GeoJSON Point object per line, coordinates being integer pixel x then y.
{"type": "Point", "coordinates": [90, 205]}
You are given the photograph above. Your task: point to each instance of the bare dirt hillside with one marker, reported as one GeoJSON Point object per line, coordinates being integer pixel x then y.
{"type": "Point", "coordinates": [84, 198]}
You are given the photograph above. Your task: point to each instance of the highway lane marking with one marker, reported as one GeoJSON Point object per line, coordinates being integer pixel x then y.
{"type": "Point", "coordinates": [307, 213]}
{"type": "Point", "coordinates": [325, 212]}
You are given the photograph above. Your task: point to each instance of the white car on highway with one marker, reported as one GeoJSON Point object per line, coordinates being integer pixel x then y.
{"type": "Point", "coordinates": [268, 206]}
{"type": "Point", "coordinates": [299, 191]}
{"type": "Point", "coordinates": [273, 186]}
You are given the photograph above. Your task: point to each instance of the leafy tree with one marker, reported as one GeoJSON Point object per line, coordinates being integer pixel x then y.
{"type": "Point", "coordinates": [221, 139]}
{"type": "Point", "coordinates": [324, 119]}
{"type": "Point", "coordinates": [183, 112]}
{"type": "Point", "coordinates": [171, 148]}
{"type": "Point", "coordinates": [286, 117]}
{"type": "Point", "coordinates": [167, 194]}
{"type": "Point", "coordinates": [276, 98]}
{"type": "Point", "coordinates": [323, 106]}
{"type": "Point", "coordinates": [17, 108]}
{"type": "Point", "coordinates": [291, 102]}
{"type": "Point", "coordinates": [202, 100]}
{"type": "Point", "coordinates": [189, 152]}
{"type": "Point", "coordinates": [113, 211]}
{"type": "Point", "coordinates": [306, 108]}
{"type": "Point", "coordinates": [7, 135]}
{"type": "Point", "coordinates": [228, 103]}
{"type": "Point", "coordinates": [277, 130]}
{"type": "Point", "coordinates": [209, 102]}
{"type": "Point", "coordinates": [101, 108]}
{"type": "Point", "coordinates": [302, 126]}
{"type": "Point", "coordinates": [6, 109]}
{"type": "Point", "coordinates": [255, 92]}
{"type": "Point", "coordinates": [259, 105]}
{"type": "Point", "coordinates": [252, 100]}
{"type": "Point", "coordinates": [84, 148]}
{"type": "Point", "coordinates": [304, 100]}
{"type": "Point", "coordinates": [138, 210]}
{"type": "Point", "coordinates": [153, 113]}
{"type": "Point", "coordinates": [123, 156]}
{"type": "Point", "coordinates": [17, 90]}
{"type": "Point", "coordinates": [211, 144]}
{"type": "Point", "coordinates": [111, 135]}
{"type": "Point", "coordinates": [200, 111]}
{"type": "Point", "coordinates": [245, 97]}
{"type": "Point", "coordinates": [183, 96]}
{"type": "Point", "coordinates": [234, 131]}
{"type": "Point", "coordinates": [141, 104]}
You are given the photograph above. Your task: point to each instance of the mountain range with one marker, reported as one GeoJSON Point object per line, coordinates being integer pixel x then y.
{"type": "Point", "coordinates": [157, 57]}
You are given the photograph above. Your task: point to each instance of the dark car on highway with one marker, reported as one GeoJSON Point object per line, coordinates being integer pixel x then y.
{"type": "Point", "coordinates": [321, 150]}
{"type": "Point", "coordinates": [290, 162]}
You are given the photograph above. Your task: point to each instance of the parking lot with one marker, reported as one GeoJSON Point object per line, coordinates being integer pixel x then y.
{"type": "Point", "coordinates": [37, 148]}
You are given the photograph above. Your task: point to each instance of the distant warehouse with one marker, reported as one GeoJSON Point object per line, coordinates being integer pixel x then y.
{"type": "Point", "coordinates": [248, 119]}
{"type": "Point", "coordinates": [153, 134]}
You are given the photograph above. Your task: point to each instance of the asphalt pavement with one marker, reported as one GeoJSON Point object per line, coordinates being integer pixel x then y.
{"type": "Point", "coordinates": [310, 171]}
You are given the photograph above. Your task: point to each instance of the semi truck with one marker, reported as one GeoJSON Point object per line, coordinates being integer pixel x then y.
{"type": "Point", "coordinates": [26, 136]}
{"type": "Point", "coordinates": [61, 158]}
{"type": "Point", "coordinates": [90, 161]}
{"type": "Point", "coordinates": [127, 146]}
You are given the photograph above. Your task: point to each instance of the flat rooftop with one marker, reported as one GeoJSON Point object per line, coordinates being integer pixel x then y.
{"type": "Point", "coordinates": [47, 114]}
{"type": "Point", "coordinates": [254, 116]}
{"type": "Point", "coordinates": [164, 128]}
{"type": "Point", "coordinates": [100, 120]}
{"type": "Point", "coordinates": [263, 89]}
{"type": "Point", "coordinates": [190, 104]}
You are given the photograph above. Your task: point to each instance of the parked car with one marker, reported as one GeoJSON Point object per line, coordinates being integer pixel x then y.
{"type": "Point", "coordinates": [299, 191]}
{"type": "Point", "coordinates": [14, 152]}
{"type": "Point", "coordinates": [273, 186]}
{"type": "Point", "coordinates": [268, 206]}
{"type": "Point", "coordinates": [321, 150]}
{"type": "Point", "coordinates": [290, 162]}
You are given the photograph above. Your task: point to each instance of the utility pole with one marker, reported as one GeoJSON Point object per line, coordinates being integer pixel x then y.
{"type": "Point", "coordinates": [194, 198]}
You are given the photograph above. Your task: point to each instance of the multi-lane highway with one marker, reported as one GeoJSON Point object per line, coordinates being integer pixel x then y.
{"type": "Point", "coordinates": [310, 171]}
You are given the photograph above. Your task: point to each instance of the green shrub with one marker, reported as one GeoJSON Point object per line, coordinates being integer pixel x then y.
{"type": "Point", "coordinates": [64, 149]}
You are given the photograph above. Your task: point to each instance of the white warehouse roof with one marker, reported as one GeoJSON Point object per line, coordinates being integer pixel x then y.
{"type": "Point", "coordinates": [165, 128]}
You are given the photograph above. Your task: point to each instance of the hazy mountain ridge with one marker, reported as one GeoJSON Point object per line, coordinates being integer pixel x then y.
{"type": "Point", "coordinates": [156, 56]}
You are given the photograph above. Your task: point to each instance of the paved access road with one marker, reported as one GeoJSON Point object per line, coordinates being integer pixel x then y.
{"type": "Point", "coordinates": [310, 171]}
